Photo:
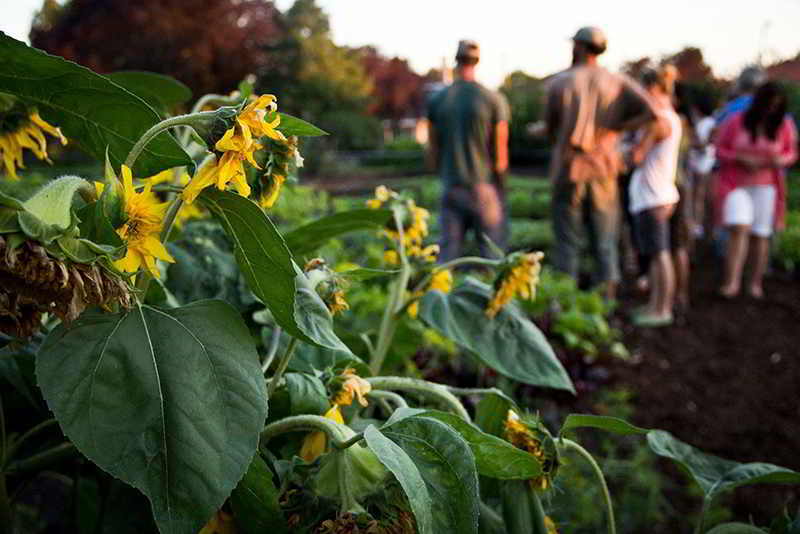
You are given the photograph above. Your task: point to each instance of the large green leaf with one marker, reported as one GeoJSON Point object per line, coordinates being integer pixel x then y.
{"type": "Point", "coordinates": [255, 502]}
{"type": "Point", "coordinates": [736, 528]}
{"type": "Point", "coordinates": [311, 236]}
{"type": "Point", "coordinates": [509, 343]}
{"type": "Point", "coordinates": [89, 108]}
{"type": "Point", "coordinates": [494, 457]}
{"type": "Point", "coordinates": [395, 459]}
{"type": "Point", "coordinates": [171, 402]}
{"type": "Point", "coordinates": [447, 465]}
{"type": "Point", "coordinates": [603, 422]}
{"type": "Point", "coordinates": [160, 91]}
{"type": "Point", "coordinates": [270, 271]}
{"type": "Point", "coordinates": [714, 474]}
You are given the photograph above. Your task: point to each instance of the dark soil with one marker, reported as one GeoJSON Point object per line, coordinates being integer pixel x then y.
{"type": "Point", "coordinates": [725, 378]}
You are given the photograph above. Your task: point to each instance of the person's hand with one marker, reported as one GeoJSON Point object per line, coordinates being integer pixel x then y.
{"type": "Point", "coordinates": [489, 205]}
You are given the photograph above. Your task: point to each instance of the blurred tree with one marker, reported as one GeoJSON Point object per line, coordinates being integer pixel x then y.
{"type": "Point", "coordinates": [210, 45]}
{"type": "Point", "coordinates": [691, 65]}
{"type": "Point", "coordinates": [324, 83]}
{"type": "Point", "coordinates": [397, 90]}
{"type": "Point", "coordinates": [526, 96]}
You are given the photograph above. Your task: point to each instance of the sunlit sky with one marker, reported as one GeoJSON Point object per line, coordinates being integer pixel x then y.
{"type": "Point", "coordinates": [533, 36]}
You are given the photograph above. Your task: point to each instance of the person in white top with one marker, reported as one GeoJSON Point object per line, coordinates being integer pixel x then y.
{"type": "Point", "coordinates": [653, 195]}
{"type": "Point", "coordinates": [702, 158]}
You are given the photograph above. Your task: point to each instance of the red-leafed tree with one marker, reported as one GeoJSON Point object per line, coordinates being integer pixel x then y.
{"type": "Point", "coordinates": [210, 45]}
{"type": "Point", "coordinates": [398, 91]}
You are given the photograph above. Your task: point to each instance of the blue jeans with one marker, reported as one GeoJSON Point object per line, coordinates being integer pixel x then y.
{"type": "Point", "coordinates": [594, 205]}
{"type": "Point", "coordinates": [461, 213]}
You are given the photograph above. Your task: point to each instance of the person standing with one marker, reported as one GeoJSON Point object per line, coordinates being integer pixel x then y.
{"type": "Point", "coordinates": [754, 148]}
{"type": "Point", "coordinates": [587, 108]}
{"type": "Point", "coordinates": [468, 146]}
{"type": "Point", "coordinates": [654, 195]}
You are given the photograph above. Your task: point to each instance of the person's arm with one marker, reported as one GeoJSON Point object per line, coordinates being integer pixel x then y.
{"type": "Point", "coordinates": [552, 114]}
{"type": "Point", "coordinates": [655, 131]}
{"type": "Point", "coordinates": [501, 147]}
{"type": "Point", "coordinates": [723, 141]}
{"type": "Point", "coordinates": [432, 152]}
{"type": "Point", "coordinates": [788, 152]}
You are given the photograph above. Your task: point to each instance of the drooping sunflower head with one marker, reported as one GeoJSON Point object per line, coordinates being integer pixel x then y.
{"type": "Point", "coordinates": [348, 385]}
{"type": "Point", "coordinates": [329, 284]}
{"type": "Point", "coordinates": [531, 436]}
{"type": "Point", "coordinates": [144, 214]}
{"type": "Point", "coordinates": [22, 128]}
{"type": "Point", "coordinates": [518, 275]}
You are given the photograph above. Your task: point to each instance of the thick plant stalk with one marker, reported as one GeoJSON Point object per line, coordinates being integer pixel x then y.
{"type": "Point", "coordinates": [429, 389]}
{"type": "Point", "coordinates": [149, 135]}
{"type": "Point", "coordinates": [571, 445]}
{"type": "Point", "coordinates": [388, 325]}
{"type": "Point", "coordinates": [380, 394]}
{"type": "Point", "coordinates": [338, 434]}
{"type": "Point", "coordinates": [274, 343]}
{"type": "Point", "coordinates": [282, 365]}
{"type": "Point", "coordinates": [537, 512]}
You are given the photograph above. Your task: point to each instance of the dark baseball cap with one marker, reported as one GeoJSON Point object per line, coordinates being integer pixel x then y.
{"type": "Point", "coordinates": [591, 35]}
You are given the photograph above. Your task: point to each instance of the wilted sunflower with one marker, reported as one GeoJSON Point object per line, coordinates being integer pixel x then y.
{"type": "Point", "coordinates": [520, 276]}
{"type": "Point", "coordinates": [352, 386]}
{"type": "Point", "coordinates": [144, 218]}
{"type": "Point", "coordinates": [21, 129]}
{"type": "Point", "coordinates": [532, 440]}
{"type": "Point", "coordinates": [283, 154]}
{"type": "Point", "coordinates": [33, 282]}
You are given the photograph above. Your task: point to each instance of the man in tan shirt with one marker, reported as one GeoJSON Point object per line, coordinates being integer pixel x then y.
{"type": "Point", "coordinates": [587, 109]}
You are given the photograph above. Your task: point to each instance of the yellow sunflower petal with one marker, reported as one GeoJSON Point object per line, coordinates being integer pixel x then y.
{"type": "Point", "coordinates": [156, 248]}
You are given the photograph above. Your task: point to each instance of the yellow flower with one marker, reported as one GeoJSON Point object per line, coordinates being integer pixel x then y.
{"type": "Point", "coordinates": [521, 278]}
{"type": "Point", "coordinates": [273, 191]}
{"type": "Point", "coordinates": [519, 435]}
{"type": "Point", "coordinates": [337, 302]}
{"type": "Point", "coordinates": [140, 232]}
{"type": "Point", "coordinates": [219, 172]}
{"type": "Point", "coordinates": [254, 114]}
{"type": "Point", "coordinates": [353, 386]}
{"type": "Point", "coordinates": [314, 444]}
{"type": "Point", "coordinates": [390, 257]}
{"type": "Point", "coordinates": [441, 280]}
{"type": "Point", "coordinates": [550, 525]}
{"type": "Point", "coordinates": [382, 195]}
{"type": "Point", "coordinates": [29, 134]}
{"type": "Point", "coordinates": [374, 203]}
{"type": "Point", "coordinates": [430, 253]}
{"type": "Point", "coordinates": [221, 523]}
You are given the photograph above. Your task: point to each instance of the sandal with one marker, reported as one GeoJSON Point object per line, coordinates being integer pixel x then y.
{"type": "Point", "coordinates": [653, 321]}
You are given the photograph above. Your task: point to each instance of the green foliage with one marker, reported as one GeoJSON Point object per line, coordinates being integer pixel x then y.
{"type": "Point", "coordinates": [525, 95]}
{"type": "Point", "coordinates": [148, 395]}
{"type": "Point", "coordinates": [787, 247]}
{"type": "Point", "coordinates": [447, 466]}
{"type": "Point", "coordinates": [529, 234]}
{"type": "Point", "coordinates": [579, 318]}
{"type": "Point", "coordinates": [88, 108]}
{"type": "Point", "coordinates": [255, 501]}
{"type": "Point", "coordinates": [460, 316]}
{"type": "Point", "coordinates": [309, 237]}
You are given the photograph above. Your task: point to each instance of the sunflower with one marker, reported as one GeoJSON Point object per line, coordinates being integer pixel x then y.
{"type": "Point", "coordinates": [352, 386]}
{"type": "Point", "coordinates": [140, 232]}
{"type": "Point", "coordinates": [25, 132]}
{"type": "Point", "coordinates": [236, 146]}
{"type": "Point", "coordinates": [315, 443]}
{"type": "Point", "coordinates": [523, 437]}
{"type": "Point", "coordinates": [520, 277]}
{"type": "Point", "coordinates": [442, 280]}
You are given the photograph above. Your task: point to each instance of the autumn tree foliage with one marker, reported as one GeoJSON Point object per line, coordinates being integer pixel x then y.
{"type": "Point", "coordinates": [398, 91]}
{"type": "Point", "coordinates": [210, 45]}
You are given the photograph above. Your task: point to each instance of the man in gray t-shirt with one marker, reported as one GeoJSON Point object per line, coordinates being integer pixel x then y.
{"type": "Point", "coordinates": [469, 148]}
{"type": "Point", "coordinates": [587, 109]}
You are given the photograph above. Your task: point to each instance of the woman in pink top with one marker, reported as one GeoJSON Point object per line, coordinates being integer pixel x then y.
{"type": "Point", "coordinates": [754, 147]}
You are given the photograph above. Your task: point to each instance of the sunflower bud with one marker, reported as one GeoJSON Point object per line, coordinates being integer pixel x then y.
{"type": "Point", "coordinates": [211, 126]}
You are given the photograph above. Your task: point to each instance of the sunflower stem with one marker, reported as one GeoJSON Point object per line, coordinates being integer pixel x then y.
{"type": "Point", "coordinates": [338, 434]}
{"type": "Point", "coordinates": [388, 325]}
{"type": "Point", "coordinates": [149, 135]}
{"type": "Point", "coordinates": [571, 445]}
{"type": "Point", "coordinates": [282, 365]}
{"type": "Point", "coordinates": [433, 391]}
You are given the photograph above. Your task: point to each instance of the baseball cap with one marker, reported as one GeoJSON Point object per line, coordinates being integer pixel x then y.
{"type": "Point", "coordinates": [468, 49]}
{"type": "Point", "coordinates": [591, 35]}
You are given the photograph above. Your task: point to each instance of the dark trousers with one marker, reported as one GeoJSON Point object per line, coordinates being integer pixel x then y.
{"type": "Point", "coordinates": [460, 214]}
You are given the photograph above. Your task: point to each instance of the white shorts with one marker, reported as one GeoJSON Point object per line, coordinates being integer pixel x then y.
{"type": "Point", "coordinates": [752, 206]}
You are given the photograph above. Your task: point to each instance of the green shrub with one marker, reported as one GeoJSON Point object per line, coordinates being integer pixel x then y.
{"type": "Point", "coordinates": [530, 234]}
{"type": "Point", "coordinates": [787, 244]}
